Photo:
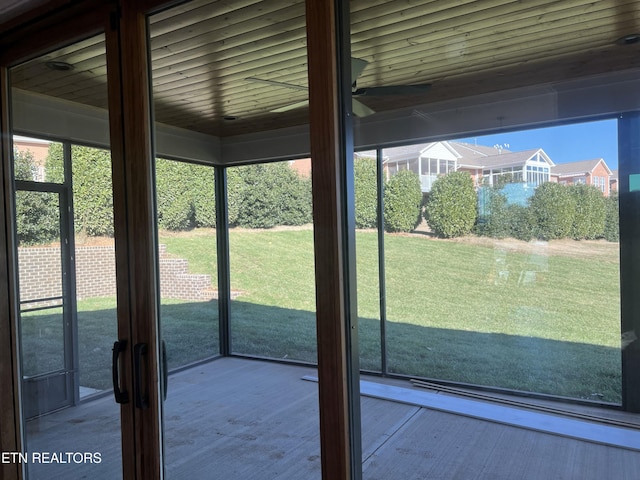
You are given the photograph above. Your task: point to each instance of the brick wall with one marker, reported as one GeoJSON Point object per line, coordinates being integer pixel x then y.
{"type": "Point", "coordinates": [40, 274]}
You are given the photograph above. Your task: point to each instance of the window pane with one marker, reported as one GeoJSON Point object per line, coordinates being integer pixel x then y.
{"type": "Point", "coordinates": [271, 257]}
{"type": "Point", "coordinates": [514, 301]}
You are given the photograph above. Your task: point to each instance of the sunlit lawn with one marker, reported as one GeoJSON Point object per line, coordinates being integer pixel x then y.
{"type": "Point", "coordinates": [508, 314]}
{"type": "Point", "coordinates": [519, 316]}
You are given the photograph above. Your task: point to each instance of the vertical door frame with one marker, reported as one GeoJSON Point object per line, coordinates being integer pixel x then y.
{"type": "Point", "coordinates": [11, 432]}
{"type": "Point", "coordinates": [135, 237]}
{"type": "Point", "coordinates": [629, 203]}
{"type": "Point", "coordinates": [329, 64]}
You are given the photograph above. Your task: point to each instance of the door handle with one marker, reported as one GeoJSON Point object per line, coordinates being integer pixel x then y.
{"type": "Point", "coordinates": [140, 349]}
{"type": "Point", "coordinates": [121, 396]}
{"type": "Point", "coordinates": [165, 370]}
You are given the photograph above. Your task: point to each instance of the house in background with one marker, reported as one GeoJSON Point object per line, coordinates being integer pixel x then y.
{"type": "Point", "coordinates": [613, 181]}
{"type": "Point", "coordinates": [486, 165]}
{"type": "Point", "coordinates": [590, 172]}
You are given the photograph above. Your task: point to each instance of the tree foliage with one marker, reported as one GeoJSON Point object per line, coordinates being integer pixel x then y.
{"type": "Point", "coordinates": [451, 208]}
{"type": "Point", "coordinates": [185, 194]}
{"type": "Point", "coordinates": [92, 188]}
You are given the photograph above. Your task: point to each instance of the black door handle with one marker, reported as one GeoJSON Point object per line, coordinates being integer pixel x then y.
{"type": "Point", "coordinates": [140, 349]}
{"type": "Point", "coordinates": [165, 370]}
{"type": "Point", "coordinates": [121, 396]}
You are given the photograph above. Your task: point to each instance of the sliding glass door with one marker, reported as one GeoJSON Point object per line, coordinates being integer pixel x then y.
{"type": "Point", "coordinates": [65, 263]}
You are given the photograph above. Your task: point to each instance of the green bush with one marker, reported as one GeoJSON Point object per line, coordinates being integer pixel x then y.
{"type": "Point", "coordinates": [37, 213]}
{"type": "Point", "coordinates": [553, 209]}
{"type": "Point", "coordinates": [590, 212]}
{"type": "Point", "coordinates": [493, 219]}
{"type": "Point", "coordinates": [173, 196]}
{"type": "Point", "coordinates": [267, 195]}
{"type": "Point", "coordinates": [235, 192]}
{"type": "Point", "coordinates": [451, 208]}
{"type": "Point", "coordinates": [522, 224]}
{"type": "Point", "coordinates": [402, 202]}
{"type": "Point", "coordinates": [612, 218]}
{"type": "Point", "coordinates": [185, 195]}
{"type": "Point", "coordinates": [366, 192]}
{"type": "Point", "coordinates": [203, 194]}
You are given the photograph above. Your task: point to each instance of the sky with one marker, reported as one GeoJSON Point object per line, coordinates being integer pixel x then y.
{"type": "Point", "coordinates": [566, 143]}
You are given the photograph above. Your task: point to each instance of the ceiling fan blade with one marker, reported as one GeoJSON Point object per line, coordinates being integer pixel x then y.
{"type": "Point", "coordinates": [360, 109]}
{"type": "Point", "coordinates": [276, 83]}
{"type": "Point", "coordinates": [418, 89]}
{"type": "Point", "coordinates": [291, 106]}
{"type": "Point", "coordinates": [357, 66]}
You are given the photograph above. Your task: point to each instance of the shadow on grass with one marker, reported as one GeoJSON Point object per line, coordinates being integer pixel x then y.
{"type": "Point", "coordinates": [190, 330]}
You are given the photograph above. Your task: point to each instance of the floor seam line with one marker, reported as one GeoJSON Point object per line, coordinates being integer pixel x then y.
{"type": "Point", "coordinates": [410, 417]}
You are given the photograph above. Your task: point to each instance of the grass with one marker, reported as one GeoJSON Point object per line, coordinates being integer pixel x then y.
{"type": "Point", "coordinates": [458, 311]}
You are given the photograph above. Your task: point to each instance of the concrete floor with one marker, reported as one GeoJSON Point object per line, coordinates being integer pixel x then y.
{"type": "Point", "coordinates": [245, 419]}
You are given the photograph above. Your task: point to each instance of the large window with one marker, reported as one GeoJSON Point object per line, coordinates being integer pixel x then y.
{"type": "Point", "coordinates": [504, 285]}
{"type": "Point", "coordinates": [271, 261]}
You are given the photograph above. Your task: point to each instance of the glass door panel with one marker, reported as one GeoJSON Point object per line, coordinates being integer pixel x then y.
{"type": "Point", "coordinates": [66, 263]}
{"type": "Point", "coordinates": [221, 71]}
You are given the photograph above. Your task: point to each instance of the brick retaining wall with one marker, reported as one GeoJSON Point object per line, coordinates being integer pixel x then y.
{"type": "Point", "coordinates": [40, 274]}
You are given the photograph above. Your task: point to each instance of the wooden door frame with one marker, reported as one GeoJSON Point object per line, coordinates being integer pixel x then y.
{"type": "Point", "coordinates": [11, 432]}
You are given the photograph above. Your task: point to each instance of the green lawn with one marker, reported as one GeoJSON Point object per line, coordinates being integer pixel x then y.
{"type": "Point", "coordinates": [523, 316]}
{"type": "Point", "coordinates": [528, 318]}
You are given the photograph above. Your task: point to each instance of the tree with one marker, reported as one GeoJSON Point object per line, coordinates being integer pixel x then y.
{"type": "Point", "coordinates": [402, 202]}
{"type": "Point", "coordinates": [452, 205]}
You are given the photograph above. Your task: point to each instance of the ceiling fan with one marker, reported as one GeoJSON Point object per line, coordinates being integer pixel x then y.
{"type": "Point", "coordinates": [359, 108]}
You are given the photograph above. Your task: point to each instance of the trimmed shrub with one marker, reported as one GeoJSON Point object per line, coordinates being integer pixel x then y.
{"type": "Point", "coordinates": [522, 224]}
{"type": "Point", "coordinates": [612, 218]}
{"type": "Point", "coordinates": [267, 195]}
{"type": "Point", "coordinates": [553, 208]}
{"type": "Point", "coordinates": [590, 212]}
{"type": "Point", "coordinates": [452, 205]}
{"type": "Point", "coordinates": [402, 202]}
{"type": "Point", "coordinates": [366, 192]}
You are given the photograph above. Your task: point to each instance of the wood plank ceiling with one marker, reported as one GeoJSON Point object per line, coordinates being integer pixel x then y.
{"type": "Point", "coordinates": [204, 51]}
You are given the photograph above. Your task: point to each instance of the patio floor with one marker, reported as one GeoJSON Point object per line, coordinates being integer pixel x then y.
{"type": "Point", "coordinates": [243, 419]}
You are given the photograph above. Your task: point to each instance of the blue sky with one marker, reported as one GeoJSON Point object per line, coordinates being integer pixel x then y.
{"type": "Point", "coordinates": [566, 143]}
